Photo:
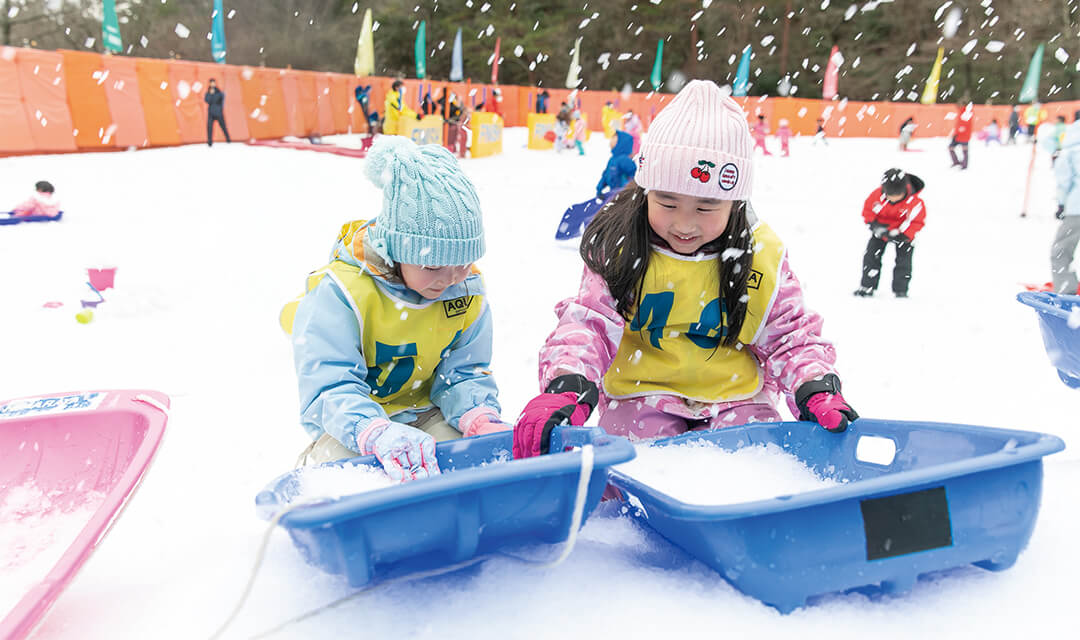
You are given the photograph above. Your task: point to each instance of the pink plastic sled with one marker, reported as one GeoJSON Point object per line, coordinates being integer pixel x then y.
{"type": "Point", "coordinates": [84, 453]}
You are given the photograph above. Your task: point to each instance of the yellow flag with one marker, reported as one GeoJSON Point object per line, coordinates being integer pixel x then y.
{"type": "Point", "coordinates": [365, 49]}
{"type": "Point", "coordinates": [929, 94]}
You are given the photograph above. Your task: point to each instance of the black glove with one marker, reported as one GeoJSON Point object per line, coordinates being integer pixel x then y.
{"type": "Point", "coordinates": [899, 237]}
{"type": "Point", "coordinates": [1060, 213]}
{"type": "Point", "coordinates": [879, 230]}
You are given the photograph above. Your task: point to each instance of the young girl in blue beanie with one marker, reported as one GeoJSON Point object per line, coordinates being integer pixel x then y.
{"type": "Point", "coordinates": [392, 341]}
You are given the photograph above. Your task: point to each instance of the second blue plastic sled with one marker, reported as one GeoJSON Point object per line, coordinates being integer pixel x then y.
{"type": "Point", "coordinates": [951, 495]}
{"type": "Point", "coordinates": [473, 508]}
{"type": "Point", "coordinates": [578, 216]}
{"type": "Point", "coordinates": [7, 218]}
{"type": "Point", "coordinates": [1062, 343]}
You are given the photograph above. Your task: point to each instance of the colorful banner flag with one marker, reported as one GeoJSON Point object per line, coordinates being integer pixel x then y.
{"type": "Point", "coordinates": [1030, 91]}
{"type": "Point", "coordinates": [217, 33]}
{"type": "Point", "coordinates": [365, 49]}
{"type": "Point", "coordinates": [495, 63]}
{"type": "Point", "coordinates": [930, 91]}
{"type": "Point", "coordinates": [656, 78]}
{"type": "Point", "coordinates": [110, 29]}
{"type": "Point", "coordinates": [457, 70]}
{"type": "Point", "coordinates": [420, 50]}
{"type": "Point", "coordinates": [572, 79]}
{"type": "Point", "coordinates": [832, 74]}
{"type": "Point", "coordinates": [742, 76]}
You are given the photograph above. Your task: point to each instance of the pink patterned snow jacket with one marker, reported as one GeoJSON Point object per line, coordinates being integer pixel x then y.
{"type": "Point", "coordinates": [39, 204]}
{"type": "Point", "coordinates": [789, 351]}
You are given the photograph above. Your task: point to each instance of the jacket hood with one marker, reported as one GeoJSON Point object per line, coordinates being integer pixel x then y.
{"type": "Point", "coordinates": [916, 183]}
{"type": "Point", "coordinates": [624, 144]}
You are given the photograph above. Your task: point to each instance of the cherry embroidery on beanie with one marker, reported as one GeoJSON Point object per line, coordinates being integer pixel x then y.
{"type": "Point", "coordinates": [702, 172]}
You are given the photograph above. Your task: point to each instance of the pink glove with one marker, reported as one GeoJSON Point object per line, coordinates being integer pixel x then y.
{"type": "Point", "coordinates": [406, 453]}
{"type": "Point", "coordinates": [569, 400]}
{"type": "Point", "coordinates": [481, 421]}
{"type": "Point", "coordinates": [821, 401]}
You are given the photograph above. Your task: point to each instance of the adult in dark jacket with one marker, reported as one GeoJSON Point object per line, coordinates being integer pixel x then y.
{"type": "Point", "coordinates": [363, 98]}
{"type": "Point", "coordinates": [215, 111]}
{"type": "Point", "coordinates": [895, 213]}
{"type": "Point", "coordinates": [620, 168]}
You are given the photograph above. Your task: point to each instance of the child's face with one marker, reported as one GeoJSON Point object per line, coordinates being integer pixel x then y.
{"type": "Point", "coordinates": [895, 197]}
{"type": "Point", "coordinates": [430, 282]}
{"type": "Point", "coordinates": [687, 222]}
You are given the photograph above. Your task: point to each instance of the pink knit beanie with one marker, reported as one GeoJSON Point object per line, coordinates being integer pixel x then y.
{"type": "Point", "coordinates": [698, 145]}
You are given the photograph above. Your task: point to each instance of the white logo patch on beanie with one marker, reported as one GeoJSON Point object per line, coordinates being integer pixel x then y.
{"type": "Point", "coordinates": [729, 176]}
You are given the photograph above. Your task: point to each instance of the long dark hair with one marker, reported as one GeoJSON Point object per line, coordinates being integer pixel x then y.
{"type": "Point", "coordinates": [615, 246]}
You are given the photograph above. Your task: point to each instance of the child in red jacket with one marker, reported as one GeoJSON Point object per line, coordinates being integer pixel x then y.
{"type": "Point", "coordinates": [895, 213]}
{"type": "Point", "coordinates": [961, 136]}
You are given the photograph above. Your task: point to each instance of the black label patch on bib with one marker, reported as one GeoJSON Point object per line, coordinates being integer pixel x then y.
{"type": "Point", "coordinates": [753, 281]}
{"type": "Point", "coordinates": [457, 306]}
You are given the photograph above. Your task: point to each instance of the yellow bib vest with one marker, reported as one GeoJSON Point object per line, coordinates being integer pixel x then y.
{"type": "Point", "coordinates": [672, 344]}
{"type": "Point", "coordinates": [401, 342]}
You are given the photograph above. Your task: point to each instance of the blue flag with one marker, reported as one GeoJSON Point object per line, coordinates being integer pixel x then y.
{"type": "Point", "coordinates": [457, 71]}
{"type": "Point", "coordinates": [742, 76]}
{"type": "Point", "coordinates": [217, 38]}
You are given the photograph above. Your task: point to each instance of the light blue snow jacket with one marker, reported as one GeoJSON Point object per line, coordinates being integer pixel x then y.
{"type": "Point", "coordinates": [334, 397]}
{"type": "Point", "coordinates": [1067, 171]}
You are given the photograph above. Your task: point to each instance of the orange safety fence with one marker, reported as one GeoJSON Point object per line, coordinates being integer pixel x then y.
{"type": "Point", "coordinates": [41, 78]}
{"type": "Point", "coordinates": [157, 102]}
{"type": "Point", "coordinates": [125, 104]}
{"type": "Point", "coordinates": [14, 125]}
{"type": "Point", "coordinates": [69, 100]}
{"type": "Point", "coordinates": [84, 73]}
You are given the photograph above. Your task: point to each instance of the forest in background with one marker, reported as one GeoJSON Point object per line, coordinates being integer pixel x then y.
{"type": "Point", "coordinates": [888, 47]}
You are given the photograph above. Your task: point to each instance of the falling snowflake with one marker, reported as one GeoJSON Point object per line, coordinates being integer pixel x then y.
{"type": "Point", "coordinates": [182, 31]}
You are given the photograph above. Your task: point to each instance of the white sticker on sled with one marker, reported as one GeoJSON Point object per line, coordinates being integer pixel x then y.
{"type": "Point", "coordinates": [50, 405]}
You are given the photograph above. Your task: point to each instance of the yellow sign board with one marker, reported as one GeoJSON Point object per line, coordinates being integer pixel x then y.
{"type": "Point", "coordinates": [487, 134]}
{"type": "Point", "coordinates": [426, 131]}
{"type": "Point", "coordinates": [539, 124]}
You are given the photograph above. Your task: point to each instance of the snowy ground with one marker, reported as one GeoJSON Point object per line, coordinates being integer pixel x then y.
{"type": "Point", "coordinates": [210, 243]}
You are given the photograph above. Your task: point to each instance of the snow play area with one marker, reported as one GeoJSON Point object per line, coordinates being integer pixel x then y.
{"type": "Point", "coordinates": [209, 243]}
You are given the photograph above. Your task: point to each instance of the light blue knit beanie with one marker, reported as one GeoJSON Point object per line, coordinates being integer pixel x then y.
{"type": "Point", "coordinates": [430, 214]}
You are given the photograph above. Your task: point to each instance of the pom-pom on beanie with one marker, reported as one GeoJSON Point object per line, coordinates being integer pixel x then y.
{"type": "Point", "coordinates": [430, 214]}
{"type": "Point", "coordinates": [698, 145]}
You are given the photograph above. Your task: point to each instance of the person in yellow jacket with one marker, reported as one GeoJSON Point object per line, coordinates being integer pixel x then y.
{"type": "Point", "coordinates": [395, 109]}
{"type": "Point", "coordinates": [1034, 115]}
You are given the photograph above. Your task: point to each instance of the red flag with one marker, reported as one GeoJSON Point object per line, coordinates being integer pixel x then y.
{"type": "Point", "coordinates": [495, 63]}
{"type": "Point", "coordinates": [832, 73]}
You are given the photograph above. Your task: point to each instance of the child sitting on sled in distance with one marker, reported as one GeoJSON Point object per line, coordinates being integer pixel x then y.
{"type": "Point", "coordinates": [42, 203]}
{"type": "Point", "coordinates": [392, 341]}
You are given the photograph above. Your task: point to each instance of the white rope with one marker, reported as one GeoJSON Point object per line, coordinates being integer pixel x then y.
{"type": "Point", "coordinates": [587, 463]}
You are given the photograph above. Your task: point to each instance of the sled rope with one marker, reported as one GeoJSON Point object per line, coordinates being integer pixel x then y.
{"type": "Point", "coordinates": [587, 463]}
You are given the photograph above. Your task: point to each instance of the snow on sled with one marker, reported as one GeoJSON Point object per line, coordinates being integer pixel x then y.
{"type": "Point", "coordinates": [578, 216]}
{"type": "Point", "coordinates": [324, 148]}
{"type": "Point", "coordinates": [482, 502]}
{"type": "Point", "coordinates": [70, 463]}
{"type": "Point", "coordinates": [9, 217]}
{"type": "Point", "coordinates": [911, 498]}
{"type": "Point", "coordinates": [1059, 320]}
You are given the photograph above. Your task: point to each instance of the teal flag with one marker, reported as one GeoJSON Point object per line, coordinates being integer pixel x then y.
{"type": "Point", "coordinates": [217, 33]}
{"type": "Point", "coordinates": [421, 52]}
{"type": "Point", "coordinates": [110, 29]}
{"type": "Point", "coordinates": [457, 70]}
{"type": "Point", "coordinates": [656, 78]}
{"type": "Point", "coordinates": [1030, 91]}
{"type": "Point", "coordinates": [742, 76]}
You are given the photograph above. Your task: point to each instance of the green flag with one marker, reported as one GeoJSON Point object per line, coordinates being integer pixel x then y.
{"type": "Point", "coordinates": [110, 29]}
{"type": "Point", "coordinates": [421, 52]}
{"type": "Point", "coordinates": [1030, 91]}
{"type": "Point", "coordinates": [656, 77]}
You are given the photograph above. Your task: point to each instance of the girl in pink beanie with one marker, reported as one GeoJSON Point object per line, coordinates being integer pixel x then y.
{"type": "Point", "coordinates": [688, 315]}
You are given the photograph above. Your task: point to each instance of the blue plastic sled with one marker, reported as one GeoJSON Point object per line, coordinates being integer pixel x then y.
{"type": "Point", "coordinates": [1062, 343]}
{"type": "Point", "coordinates": [578, 216]}
{"type": "Point", "coordinates": [469, 510]}
{"type": "Point", "coordinates": [951, 496]}
{"type": "Point", "coordinates": [11, 218]}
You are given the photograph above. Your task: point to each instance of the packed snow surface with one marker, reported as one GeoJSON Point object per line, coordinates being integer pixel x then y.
{"type": "Point", "coordinates": [703, 473]}
{"type": "Point", "coordinates": [211, 242]}
{"type": "Point", "coordinates": [337, 481]}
